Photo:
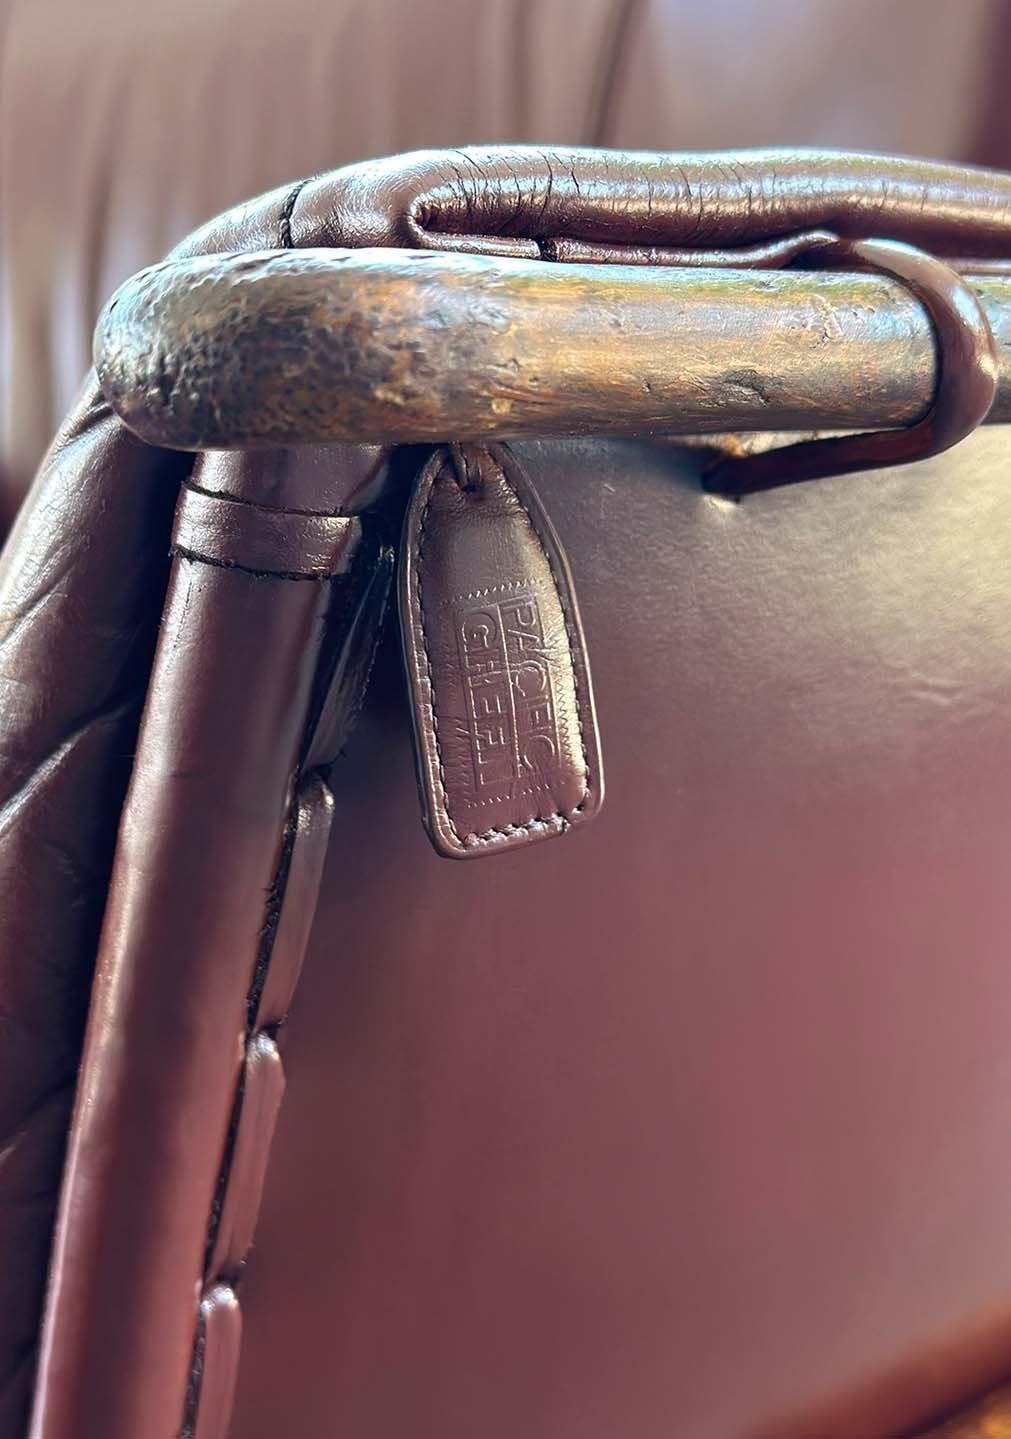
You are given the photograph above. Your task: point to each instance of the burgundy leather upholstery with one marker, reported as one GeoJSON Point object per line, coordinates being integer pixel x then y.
{"type": "Point", "coordinates": [814, 685]}
{"type": "Point", "coordinates": [695, 1120]}
{"type": "Point", "coordinates": [695, 1123]}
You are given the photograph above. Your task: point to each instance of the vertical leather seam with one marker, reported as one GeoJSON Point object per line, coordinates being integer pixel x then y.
{"type": "Point", "coordinates": [562, 592]}
{"type": "Point", "coordinates": [272, 913]}
{"type": "Point", "coordinates": [624, 18]}
{"type": "Point", "coordinates": [420, 606]}
{"type": "Point", "coordinates": [284, 240]}
{"type": "Point", "coordinates": [354, 713]}
{"type": "Point", "coordinates": [251, 1030]}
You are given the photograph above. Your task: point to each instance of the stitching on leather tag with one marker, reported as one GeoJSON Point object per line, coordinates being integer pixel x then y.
{"type": "Point", "coordinates": [502, 702]}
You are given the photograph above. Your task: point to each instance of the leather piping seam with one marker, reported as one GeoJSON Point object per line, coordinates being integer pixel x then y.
{"type": "Point", "coordinates": [228, 499]}
{"type": "Point", "coordinates": [354, 713]}
{"type": "Point", "coordinates": [284, 240]}
{"type": "Point", "coordinates": [194, 557]}
{"type": "Point", "coordinates": [558, 818]}
{"type": "Point", "coordinates": [252, 1031]}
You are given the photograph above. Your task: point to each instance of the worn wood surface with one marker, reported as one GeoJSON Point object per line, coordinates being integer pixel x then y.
{"type": "Point", "coordinates": [404, 346]}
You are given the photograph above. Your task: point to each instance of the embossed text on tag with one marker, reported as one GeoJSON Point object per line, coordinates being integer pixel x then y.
{"type": "Point", "coordinates": [496, 664]}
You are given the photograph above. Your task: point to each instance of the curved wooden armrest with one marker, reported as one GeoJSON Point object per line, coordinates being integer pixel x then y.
{"type": "Point", "coordinates": [312, 346]}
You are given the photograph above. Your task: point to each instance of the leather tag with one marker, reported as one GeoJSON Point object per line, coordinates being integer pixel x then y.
{"type": "Point", "coordinates": [502, 704]}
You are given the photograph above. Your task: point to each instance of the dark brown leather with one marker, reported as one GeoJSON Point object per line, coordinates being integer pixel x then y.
{"type": "Point", "coordinates": [192, 363]}
{"type": "Point", "coordinates": [82, 584]}
{"type": "Point", "coordinates": [115, 167]}
{"type": "Point", "coordinates": [501, 700]}
{"type": "Point", "coordinates": [171, 1045]}
{"type": "Point", "coordinates": [238, 534]}
{"type": "Point", "coordinates": [696, 1123]}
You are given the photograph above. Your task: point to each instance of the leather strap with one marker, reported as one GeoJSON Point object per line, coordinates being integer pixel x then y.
{"type": "Point", "coordinates": [966, 385]}
{"type": "Point", "coordinates": [502, 703]}
{"type": "Point", "coordinates": [257, 1105]}
{"type": "Point", "coordinates": [234, 533]}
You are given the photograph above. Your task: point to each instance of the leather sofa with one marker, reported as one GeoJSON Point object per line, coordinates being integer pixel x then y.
{"type": "Point", "coordinates": [693, 1123]}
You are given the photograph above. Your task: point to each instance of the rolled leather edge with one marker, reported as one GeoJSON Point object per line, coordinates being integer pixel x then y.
{"type": "Point", "coordinates": [205, 829]}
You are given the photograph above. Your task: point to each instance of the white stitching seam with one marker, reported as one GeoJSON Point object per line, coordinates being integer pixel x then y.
{"type": "Point", "coordinates": [559, 819]}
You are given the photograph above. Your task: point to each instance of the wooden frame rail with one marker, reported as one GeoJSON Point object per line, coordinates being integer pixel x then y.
{"type": "Point", "coordinates": [391, 346]}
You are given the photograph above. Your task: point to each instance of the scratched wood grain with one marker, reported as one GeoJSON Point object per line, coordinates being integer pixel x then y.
{"type": "Point", "coordinates": [407, 346]}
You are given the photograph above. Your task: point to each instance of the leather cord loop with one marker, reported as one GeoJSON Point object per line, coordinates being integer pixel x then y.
{"type": "Point", "coordinates": [966, 382]}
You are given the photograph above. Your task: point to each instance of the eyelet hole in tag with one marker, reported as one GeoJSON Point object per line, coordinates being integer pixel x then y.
{"type": "Point", "coordinates": [501, 698]}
